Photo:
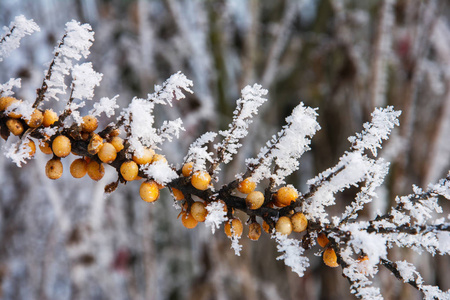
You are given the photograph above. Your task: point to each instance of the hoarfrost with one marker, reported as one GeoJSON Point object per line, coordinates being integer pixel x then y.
{"type": "Point", "coordinates": [17, 29]}
{"type": "Point", "coordinates": [292, 253]}
{"type": "Point", "coordinates": [216, 215]}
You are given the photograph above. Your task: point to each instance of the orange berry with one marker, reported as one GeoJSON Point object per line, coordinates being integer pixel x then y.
{"type": "Point", "coordinates": [90, 123]}
{"type": "Point", "coordinates": [322, 240]}
{"type": "Point", "coordinates": [61, 146]}
{"type": "Point", "coordinates": [187, 169]}
{"type": "Point", "coordinates": [15, 126]}
{"type": "Point", "coordinates": [95, 144]}
{"type": "Point", "coordinates": [177, 194]}
{"type": "Point", "coordinates": [107, 153]}
{"type": "Point", "coordinates": [201, 180]}
{"type": "Point", "coordinates": [158, 157]}
{"type": "Point", "coordinates": [285, 196]}
{"type": "Point", "coordinates": [45, 147]}
{"type": "Point", "coordinates": [149, 191]}
{"type": "Point", "coordinates": [36, 119]}
{"type": "Point", "coordinates": [78, 168]}
{"type": "Point", "coordinates": [50, 117]}
{"type": "Point", "coordinates": [117, 142]}
{"type": "Point", "coordinates": [198, 211]}
{"type": "Point", "coordinates": [95, 170]}
{"type": "Point", "coordinates": [246, 186]}
{"type": "Point", "coordinates": [13, 113]}
{"type": "Point", "coordinates": [254, 231]}
{"type": "Point", "coordinates": [330, 258]}
{"type": "Point", "coordinates": [284, 225]}
{"type": "Point", "coordinates": [188, 220]}
{"type": "Point", "coordinates": [5, 102]}
{"type": "Point", "coordinates": [234, 225]}
{"type": "Point", "coordinates": [299, 222]}
{"type": "Point", "coordinates": [129, 170]}
{"type": "Point", "coordinates": [266, 227]}
{"type": "Point", "coordinates": [54, 168]}
{"type": "Point", "coordinates": [146, 156]}
{"type": "Point", "coordinates": [114, 133]}
{"type": "Point", "coordinates": [254, 200]}
{"type": "Point", "coordinates": [32, 147]}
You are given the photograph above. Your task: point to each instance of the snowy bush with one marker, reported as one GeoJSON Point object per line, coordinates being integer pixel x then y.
{"type": "Point", "coordinates": [359, 244]}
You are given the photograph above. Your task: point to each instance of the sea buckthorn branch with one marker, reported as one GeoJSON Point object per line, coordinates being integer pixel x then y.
{"type": "Point", "coordinates": [358, 246]}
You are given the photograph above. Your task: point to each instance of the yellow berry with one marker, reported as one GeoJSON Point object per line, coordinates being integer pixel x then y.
{"type": "Point", "coordinates": [322, 240]}
{"type": "Point", "coordinates": [198, 211]}
{"type": "Point", "coordinates": [149, 191]}
{"type": "Point", "coordinates": [299, 222]}
{"type": "Point", "coordinates": [187, 169]}
{"type": "Point", "coordinates": [284, 225]}
{"type": "Point", "coordinates": [50, 117]}
{"type": "Point", "coordinates": [188, 220]}
{"type": "Point", "coordinates": [117, 142]}
{"type": "Point", "coordinates": [330, 258]}
{"type": "Point", "coordinates": [129, 170]}
{"type": "Point", "coordinates": [107, 153]}
{"type": "Point", "coordinates": [32, 146]}
{"type": "Point", "coordinates": [15, 126]}
{"type": "Point", "coordinates": [285, 196]}
{"type": "Point", "coordinates": [246, 186]}
{"type": "Point", "coordinates": [13, 113]}
{"type": "Point", "coordinates": [177, 194]}
{"type": "Point", "coordinates": [5, 102]}
{"type": "Point", "coordinates": [201, 180]}
{"type": "Point", "coordinates": [145, 157]}
{"type": "Point", "coordinates": [254, 200]}
{"type": "Point", "coordinates": [95, 144]}
{"type": "Point", "coordinates": [36, 119]}
{"type": "Point", "coordinates": [78, 168]}
{"type": "Point", "coordinates": [61, 146]}
{"type": "Point", "coordinates": [90, 123]}
{"type": "Point", "coordinates": [159, 157]}
{"type": "Point", "coordinates": [45, 147]}
{"type": "Point", "coordinates": [114, 133]}
{"type": "Point", "coordinates": [266, 227]}
{"type": "Point", "coordinates": [254, 231]}
{"type": "Point", "coordinates": [95, 170]}
{"type": "Point", "coordinates": [54, 168]}
{"type": "Point", "coordinates": [234, 225]}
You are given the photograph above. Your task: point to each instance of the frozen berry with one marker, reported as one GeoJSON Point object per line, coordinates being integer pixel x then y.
{"type": "Point", "coordinates": [149, 191]}
{"type": "Point", "coordinates": [15, 126]}
{"type": "Point", "coordinates": [188, 220]}
{"type": "Point", "coordinates": [36, 119]}
{"type": "Point", "coordinates": [61, 146]}
{"type": "Point", "coordinates": [299, 222]}
{"type": "Point", "coordinates": [322, 239]}
{"type": "Point", "coordinates": [50, 117]}
{"type": "Point", "coordinates": [201, 180]}
{"type": "Point", "coordinates": [330, 258]}
{"type": "Point", "coordinates": [246, 186]}
{"type": "Point", "coordinates": [5, 102]}
{"type": "Point", "coordinates": [187, 169]}
{"type": "Point", "coordinates": [198, 211]}
{"type": "Point", "coordinates": [95, 144]}
{"type": "Point", "coordinates": [145, 157]}
{"type": "Point", "coordinates": [95, 170]}
{"type": "Point", "coordinates": [254, 200]}
{"type": "Point", "coordinates": [117, 142]}
{"type": "Point", "coordinates": [32, 146]}
{"type": "Point", "coordinates": [78, 168]}
{"type": "Point", "coordinates": [129, 170]}
{"type": "Point", "coordinates": [254, 231]}
{"type": "Point", "coordinates": [284, 225]}
{"type": "Point", "coordinates": [107, 153]}
{"type": "Point", "coordinates": [177, 194]}
{"type": "Point", "coordinates": [54, 168]}
{"type": "Point", "coordinates": [234, 226]}
{"type": "Point", "coordinates": [90, 123]}
{"type": "Point", "coordinates": [285, 196]}
{"type": "Point", "coordinates": [45, 147]}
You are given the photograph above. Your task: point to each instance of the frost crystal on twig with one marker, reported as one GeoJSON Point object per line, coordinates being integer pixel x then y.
{"type": "Point", "coordinates": [18, 29]}
{"type": "Point", "coordinates": [216, 215]}
{"type": "Point", "coordinates": [5, 89]}
{"type": "Point", "coordinates": [198, 151]}
{"type": "Point", "coordinates": [292, 253]}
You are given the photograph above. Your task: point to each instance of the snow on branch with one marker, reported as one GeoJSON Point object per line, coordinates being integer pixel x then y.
{"type": "Point", "coordinates": [292, 253]}
{"type": "Point", "coordinates": [18, 29]}
{"type": "Point", "coordinates": [383, 121]}
{"type": "Point", "coordinates": [198, 151]}
{"type": "Point", "coordinates": [285, 148]}
{"type": "Point", "coordinates": [6, 88]}
{"type": "Point", "coordinates": [85, 79]}
{"type": "Point", "coordinates": [171, 89]}
{"type": "Point", "coordinates": [246, 108]}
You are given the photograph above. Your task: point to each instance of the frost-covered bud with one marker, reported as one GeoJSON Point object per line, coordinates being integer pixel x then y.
{"type": "Point", "coordinates": [15, 126]}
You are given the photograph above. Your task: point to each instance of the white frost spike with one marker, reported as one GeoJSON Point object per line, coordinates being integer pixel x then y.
{"type": "Point", "coordinates": [75, 44]}
{"type": "Point", "coordinates": [21, 107]}
{"type": "Point", "coordinates": [5, 89]}
{"type": "Point", "coordinates": [171, 89]}
{"type": "Point", "coordinates": [85, 79]}
{"type": "Point", "coordinates": [383, 121]}
{"type": "Point", "coordinates": [235, 243]}
{"type": "Point", "coordinates": [105, 105]}
{"type": "Point", "coordinates": [198, 151]}
{"type": "Point", "coordinates": [18, 29]}
{"type": "Point", "coordinates": [171, 129]}
{"type": "Point", "coordinates": [286, 147]}
{"type": "Point", "coordinates": [161, 172]}
{"type": "Point", "coordinates": [247, 106]}
{"type": "Point", "coordinates": [292, 253]}
{"type": "Point", "coordinates": [18, 152]}
{"type": "Point", "coordinates": [216, 215]}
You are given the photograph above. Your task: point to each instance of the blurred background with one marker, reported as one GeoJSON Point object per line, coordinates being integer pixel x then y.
{"type": "Point", "coordinates": [68, 240]}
